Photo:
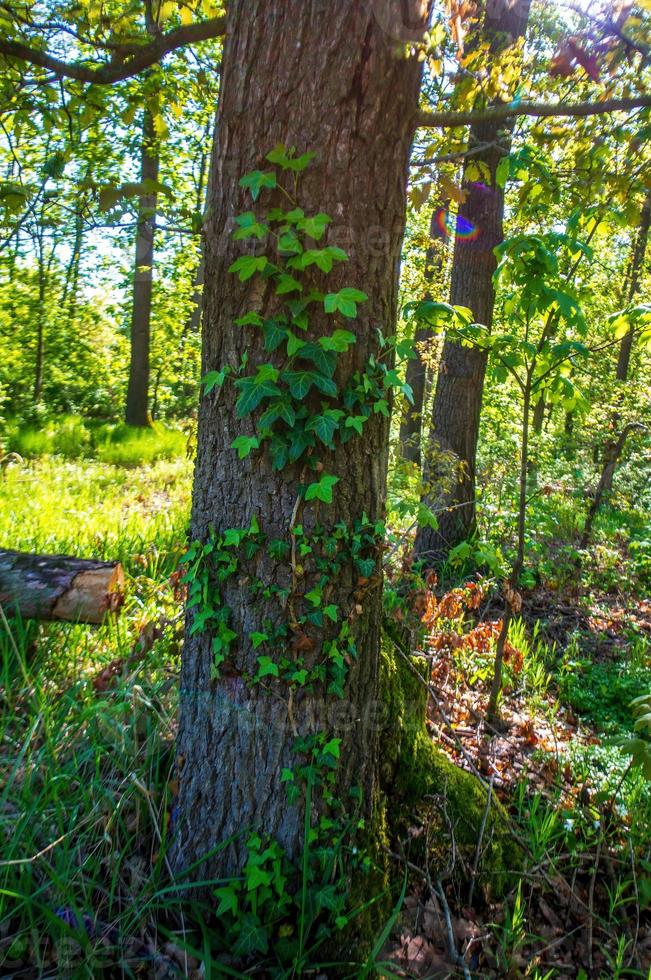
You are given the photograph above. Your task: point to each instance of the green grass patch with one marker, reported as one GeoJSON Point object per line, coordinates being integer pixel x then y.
{"type": "Point", "coordinates": [73, 437]}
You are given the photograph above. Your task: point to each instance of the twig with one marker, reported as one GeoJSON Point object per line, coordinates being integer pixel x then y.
{"type": "Point", "coordinates": [482, 831]}
{"type": "Point", "coordinates": [453, 952]}
{"type": "Point", "coordinates": [593, 882]}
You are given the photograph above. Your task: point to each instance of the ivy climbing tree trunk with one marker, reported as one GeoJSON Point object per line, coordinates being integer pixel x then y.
{"type": "Point", "coordinates": [456, 409]}
{"type": "Point", "coordinates": [333, 79]}
{"type": "Point", "coordinates": [137, 409]}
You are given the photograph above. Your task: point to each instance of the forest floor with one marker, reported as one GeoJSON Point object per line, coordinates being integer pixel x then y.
{"type": "Point", "coordinates": [87, 722]}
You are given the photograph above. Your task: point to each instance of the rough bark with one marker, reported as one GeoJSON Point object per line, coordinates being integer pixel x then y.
{"type": "Point", "coordinates": [57, 587]}
{"type": "Point", "coordinates": [138, 388]}
{"type": "Point", "coordinates": [417, 373]}
{"type": "Point", "coordinates": [457, 403]}
{"type": "Point", "coordinates": [327, 78]}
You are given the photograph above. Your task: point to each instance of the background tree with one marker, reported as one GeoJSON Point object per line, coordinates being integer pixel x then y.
{"type": "Point", "coordinates": [456, 409]}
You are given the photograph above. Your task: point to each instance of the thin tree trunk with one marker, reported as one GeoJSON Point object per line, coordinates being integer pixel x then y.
{"type": "Point", "coordinates": [456, 410]}
{"type": "Point", "coordinates": [40, 325]}
{"type": "Point", "coordinates": [614, 450]}
{"type": "Point", "coordinates": [610, 451]}
{"type": "Point", "coordinates": [137, 412]}
{"type": "Point", "coordinates": [637, 265]}
{"type": "Point", "coordinates": [69, 295]}
{"type": "Point", "coordinates": [416, 376]}
{"type": "Point", "coordinates": [326, 78]}
{"type": "Point", "coordinates": [511, 594]}
{"type": "Point", "coordinates": [193, 323]}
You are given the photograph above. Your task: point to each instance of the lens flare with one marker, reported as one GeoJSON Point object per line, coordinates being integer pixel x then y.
{"type": "Point", "coordinates": [455, 224]}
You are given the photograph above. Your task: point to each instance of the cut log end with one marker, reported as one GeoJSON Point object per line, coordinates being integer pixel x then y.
{"type": "Point", "coordinates": [92, 595]}
{"type": "Point", "coordinates": [58, 587]}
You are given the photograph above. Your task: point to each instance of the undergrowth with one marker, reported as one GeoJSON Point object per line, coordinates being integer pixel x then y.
{"type": "Point", "coordinates": [87, 725]}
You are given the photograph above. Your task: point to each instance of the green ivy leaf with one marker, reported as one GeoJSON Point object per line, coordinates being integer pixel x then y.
{"type": "Point", "coordinates": [280, 409]}
{"type": "Point", "coordinates": [257, 639]}
{"type": "Point", "coordinates": [294, 344]}
{"type": "Point", "coordinates": [247, 266]}
{"type": "Point", "coordinates": [287, 284]}
{"type": "Point", "coordinates": [325, 385]}
{"type": "Point", "coordinates": [257, 180]}
{"type": "Point", "coordinates": [227, 900]}
{"type": "Point", "coordinates": [322, 490]}
{"type": "Point", "coordinates": [252, 393]}
{"type": "Point", "coordinates": [355, 422]}
{"type": "Point", "coordinates": [251, 319]}
{"type": "Point", "coordinates": [322, 258]}
{"type": "Point", "coordinates": [245, 445]}
{"type": "Point", "coordinates": [251, 936]}
{"type": "Point", "coordinates": [325, 426]}
{"type": "Point", "coordinates": [299, 382]}
{"type": "Point", "coordinates": [286, 160]}
{"type": "Point", "coordinates": [325, 361]}
{"type": "Point", "coordinates": [274, 334]}
{"type": "Point", "coordinates": [214, 379]}
{"type": "Point", "coordinates": [338, 341]}
{"type": "Point", "coordinates": [249, 227]}
{"type": "Point", "coordinates": [315, 226]}
{"type": "Point", "coordinates": [382, 407]}
{"type": "Point", "coordinates": [345, 301]}
{"type": "Point", "coordinates": [333, 747]}
{"type": "Point", "coordinates": [267, 667]}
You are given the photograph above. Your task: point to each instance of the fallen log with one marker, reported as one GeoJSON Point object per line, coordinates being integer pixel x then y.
{"type": "Point", "coordinates": [58, 587]}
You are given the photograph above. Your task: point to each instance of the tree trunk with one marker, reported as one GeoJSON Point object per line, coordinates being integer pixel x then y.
{"type": "Point", "coordinates": [456, 410]}
{"type": "Point", "coordinates": [613, 451]}
{"type": "Point", "coordinates": [327, 78]}
{"type": "Point", "coordinates": [138, 388]}
{"type": "Point", "coordinates": [40, 325]}
{"type": "Point", "coordinates": [412, 421]}
{"type": "Point", "coordinates": [70, 292]}
{"type": "Point", "coordinates": [193, 322]}
{"type": "Point", "coordinates": [56, 587]}
{"type": "Point", "coordinates": [637, 264]}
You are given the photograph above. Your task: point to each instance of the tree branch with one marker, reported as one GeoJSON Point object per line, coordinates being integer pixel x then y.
{"type": "Point", "coordinates": [119, 67]}
{"type": "Point", "coordinates": [447, 120]}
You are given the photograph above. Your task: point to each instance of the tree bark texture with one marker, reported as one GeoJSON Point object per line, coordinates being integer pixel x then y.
{"type": "Point", "coordinates": [137, 409]}
{"type": "Point", "coordinates": [329, 78]}
{"type": "Point", "coordinates": [456, 410]}
{"type": "Point", "coordinates": [57, 587]}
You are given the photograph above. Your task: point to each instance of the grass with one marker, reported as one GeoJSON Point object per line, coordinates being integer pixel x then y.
{"type": "Point", "coordinates": [86, 793]}
{"type": "Point", "coordinates": [118, 444]}
{"type": "Point", "coordinates": [95, 509]}
{"type": "Point", "coordinates": [83, 772]}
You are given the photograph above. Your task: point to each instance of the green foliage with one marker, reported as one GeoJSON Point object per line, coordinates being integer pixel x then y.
{"type": "Point", "coordinates": [120, 445]}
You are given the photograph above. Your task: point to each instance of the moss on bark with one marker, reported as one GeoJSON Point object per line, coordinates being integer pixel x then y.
{"type": "Point", "coordinates": [421, 782]}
